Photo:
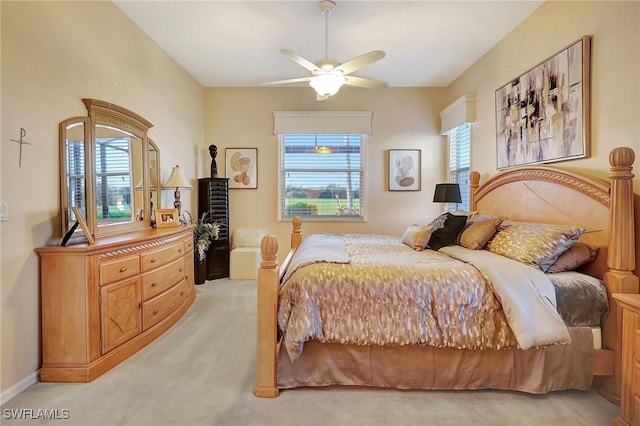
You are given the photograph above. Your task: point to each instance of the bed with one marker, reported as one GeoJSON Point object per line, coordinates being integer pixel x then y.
{"type": "Point", "coordinates": [508, 357]}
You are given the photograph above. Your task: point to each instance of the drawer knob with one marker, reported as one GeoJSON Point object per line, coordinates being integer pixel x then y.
{"type": "Point", "coordinates": [155, 283]}
{"type": "Point", "coordinates": [179, 250]}
{"type": "Point", "coordinates": [182, 293]}
{"type": "Point", "coordinates": [181, 269]}
{"type": "Point", "coordinates": [155, 311]}
{"type": "Point", "coordinates": [124, 268]}
{"type": "Point", "coordinates": [154, 260]}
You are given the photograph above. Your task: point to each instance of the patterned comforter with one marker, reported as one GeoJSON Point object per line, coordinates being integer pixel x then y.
{"type": "Point", "coordinates": [385, 293]}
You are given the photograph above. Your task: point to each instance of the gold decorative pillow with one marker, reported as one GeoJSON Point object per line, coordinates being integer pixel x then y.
{"type": "Point", "coordinates": [478, 231]}
{"type": "Point", "coordinates": [417, 236]}
{"type": "Point", "coordinates": [535, 244]}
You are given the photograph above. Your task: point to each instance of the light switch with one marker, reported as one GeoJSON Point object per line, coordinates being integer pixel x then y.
{"type": "Point", "coordinates": [4, 212]}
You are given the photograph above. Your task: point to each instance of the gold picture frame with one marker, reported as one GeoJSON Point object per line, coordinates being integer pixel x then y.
{"type": "Point", "coordinates": [83, 225]}
{"type": "Point", "coordinates": [167, 218]}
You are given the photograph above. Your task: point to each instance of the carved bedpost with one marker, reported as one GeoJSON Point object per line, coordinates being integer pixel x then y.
{"type": "Point", "coordinates": [474, 182]}
{"type": "Point", "coordinates": [621, 258]}
{"type": "Point", "coordinates": [268, 280]}
{"type": "Point", "coordinates": [296, 232]}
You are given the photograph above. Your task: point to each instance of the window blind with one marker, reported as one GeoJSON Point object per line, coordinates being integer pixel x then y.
{"type": "Point", "coordinates": [460, 162]}
{"type": "Point", "coordinates": [322, 175]}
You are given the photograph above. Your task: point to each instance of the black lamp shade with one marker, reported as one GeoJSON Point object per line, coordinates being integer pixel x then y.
{"type": "Point", "coordinates": [447, 193]}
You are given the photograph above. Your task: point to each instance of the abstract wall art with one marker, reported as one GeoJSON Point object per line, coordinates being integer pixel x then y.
{"type": "Point", "coordinates": [542, 115]}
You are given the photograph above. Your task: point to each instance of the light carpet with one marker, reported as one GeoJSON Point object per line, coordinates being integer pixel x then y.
{"type": "Point", "coordinates": [201, 372]}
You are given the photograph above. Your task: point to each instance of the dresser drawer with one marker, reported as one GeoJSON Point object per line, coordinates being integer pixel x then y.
{"type": "Point", "coordinates": [188, 245]}
{"type": "Point", "coordinates": [161, 256]}
{"type": "Point", "coordinates": [157, 281]}
{"type": "Point", "coordinates": [119, 269]}
{"type": "Point", "coordinates": [162, 305]}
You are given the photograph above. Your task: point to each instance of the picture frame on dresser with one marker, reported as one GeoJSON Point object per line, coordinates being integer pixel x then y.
{"type": "Point", "coordinates": [83, 224]}
{"type": "Point", "coordinates": [167, 218]}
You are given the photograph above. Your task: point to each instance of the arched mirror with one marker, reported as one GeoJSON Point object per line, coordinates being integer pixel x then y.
{"type": "Point", "coordinates": [108, 169]}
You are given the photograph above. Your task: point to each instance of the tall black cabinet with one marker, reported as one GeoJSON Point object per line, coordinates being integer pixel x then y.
{"type": "Point", "coordinates": [213, 197]}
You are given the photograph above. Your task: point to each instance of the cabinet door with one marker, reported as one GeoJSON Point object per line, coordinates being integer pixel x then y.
{"type": "Point", "coordinates": [120, 313]}
{"type": "Point", "coordinates": [218, 260]}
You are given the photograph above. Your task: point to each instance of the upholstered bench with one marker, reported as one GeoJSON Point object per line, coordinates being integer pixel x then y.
{"type": "Point", "coordinates": [245, 254]}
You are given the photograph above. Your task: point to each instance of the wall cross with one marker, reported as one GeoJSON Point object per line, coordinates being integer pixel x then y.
{"type": "Point", "coordinates": [21, 141]}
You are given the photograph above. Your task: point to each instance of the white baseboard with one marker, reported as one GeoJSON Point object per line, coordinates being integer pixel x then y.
{"type": "Point", "coordinates": [19, 387]}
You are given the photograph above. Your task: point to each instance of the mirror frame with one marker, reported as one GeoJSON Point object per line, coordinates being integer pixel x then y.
{"type": "Point", "coordinates": [106, 113]}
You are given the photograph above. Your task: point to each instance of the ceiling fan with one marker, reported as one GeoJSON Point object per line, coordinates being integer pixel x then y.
{"type": "Point", "coordinates": [328, 75]}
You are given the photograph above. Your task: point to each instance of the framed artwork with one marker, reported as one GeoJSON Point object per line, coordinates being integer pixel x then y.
{"type": "Point", "coordinates": [69, 233]}
{"type": "Point", "coordinates": [167, 218]}
{"type": "Point", "coordinates": [242, 167]}
{"type": "Point", "coordinates": [83, 225]}
{"type": "Point", "coordinates": [542, 115]}
{"type": "Point", "coordinates": [404, 170]}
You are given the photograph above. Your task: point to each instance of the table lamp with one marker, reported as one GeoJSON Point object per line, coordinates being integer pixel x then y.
{"type": "Point", "coordinates": [177, 181]}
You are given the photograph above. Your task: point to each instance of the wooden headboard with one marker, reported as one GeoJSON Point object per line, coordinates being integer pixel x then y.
{"type": "Point", "coordinates": [604, 209]}
{"type": "Point", "coordinates": [551, 195]}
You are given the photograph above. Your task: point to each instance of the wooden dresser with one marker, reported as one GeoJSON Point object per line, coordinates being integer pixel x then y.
{"type": "Point", "coordinates": [630, 390]}
{"type": "Point", "coordinates": [102, 303]}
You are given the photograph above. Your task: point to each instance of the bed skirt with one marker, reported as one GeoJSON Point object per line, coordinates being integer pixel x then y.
{"type": "Point", "coordinates": [542, 370]}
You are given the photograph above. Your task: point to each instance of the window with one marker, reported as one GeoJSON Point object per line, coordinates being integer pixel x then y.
{"type": "Point", "coordinates": [322, 176]}
{"type": "Point", "coordinates": [459, 162]}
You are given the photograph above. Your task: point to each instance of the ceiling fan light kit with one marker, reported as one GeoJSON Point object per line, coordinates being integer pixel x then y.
{"type": "Point", "coordinates": [329, 75]}
{"type": "Point", "coordinates": [327, 84]}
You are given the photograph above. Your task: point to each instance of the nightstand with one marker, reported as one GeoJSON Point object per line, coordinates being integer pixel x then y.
{"type": "Point", "coordinates": [630, 368]}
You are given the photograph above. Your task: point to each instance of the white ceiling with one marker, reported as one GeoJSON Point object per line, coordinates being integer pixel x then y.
{"type": "Point", "coordinates": [237, 43]}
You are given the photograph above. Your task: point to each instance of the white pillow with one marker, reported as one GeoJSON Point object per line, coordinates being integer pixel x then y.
{"type": "Point", "coordinates": [247, 238]}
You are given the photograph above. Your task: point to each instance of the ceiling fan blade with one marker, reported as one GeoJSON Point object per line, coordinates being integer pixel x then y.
{"type": "Point", "coordinates": [360, 62]}
{"type": "Point", "coordinates": [300, 60]}
{"type": "Point", "coordinates": [290, 80]}
{"type": "Point", "coordinates": [364, 82]}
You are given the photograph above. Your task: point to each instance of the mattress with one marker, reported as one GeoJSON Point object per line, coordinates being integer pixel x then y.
{"type": "Point", "coordinates": [581, 299]}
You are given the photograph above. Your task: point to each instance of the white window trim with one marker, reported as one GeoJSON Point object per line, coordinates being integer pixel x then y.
{"type": "Point", "coordinates": [312, 122]}
{"type": "Point", "coordinates": [319, 122]}
{"type": "Point", "coordinates": [462, 110]}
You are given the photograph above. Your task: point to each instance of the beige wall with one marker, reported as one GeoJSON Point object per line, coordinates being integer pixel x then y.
{"type": "Point", "coordinates": [615, 89]}
{"type": "Point", "coordinates": [53, 55]}
{"type": "Point", "coordinates": [402, 118]}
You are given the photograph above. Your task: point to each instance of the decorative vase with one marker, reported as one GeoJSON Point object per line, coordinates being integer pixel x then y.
{"type": "Point", "coordinates": [200, 269]}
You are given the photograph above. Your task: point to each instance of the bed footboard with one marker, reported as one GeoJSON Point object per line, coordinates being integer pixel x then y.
{"type": "Point", "coordinates": [268, 284]}
{"type": "Point", "coordinates": [268, 280]}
